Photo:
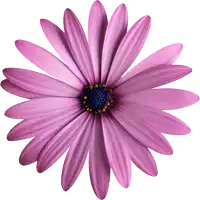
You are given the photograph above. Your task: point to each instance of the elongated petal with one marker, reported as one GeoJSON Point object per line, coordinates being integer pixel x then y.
{"type": "Point", "coordinates": [31, 152]}
{"type": "Point", "coordinates": [154, 77]}
{"type": "Point", "coordinates": [159, 120]}
{"type": "Point", "coordinates": [129, 49]}
{"type": "Point", "coordinates": [115, 32]}
{"type": "Point", "coordinates": [143, 133]}
{"type": "Point", "coordinates": [78, 45]}
{"type": "Point", "coordinates": [17, 91]}
{"type": "Point", "coordinates": [99, 167]}
{"type": "Point", "coordinates": [96, 33]}
{"type": "Point", "coordinates": [140, 155]}
{"type": "Point", "coordinates": [163, 98]}
{"type": "Point", "coordinates": [48, 62]}
{"type": "Point", "coordinates": [43, 135]}
{"type": "Point", "coordinates": [41, 125]}
{"type": "Point", "coordinates": [57, 146]}
{"type": "Point", "coordinates": [41, 106]}
{"type": "Point", "coordinates": [77, 154]}
{"type": "Point", "coordinates": [57, 39]}
{"type": "Point", "coordinates": [39, 83]}
{"type": "Point", "coordinates": [118, 156]}
{"type": "Point", "coordinates": [165, 56]}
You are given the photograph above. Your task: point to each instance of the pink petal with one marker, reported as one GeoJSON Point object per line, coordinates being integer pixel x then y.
{"type": "Point", "coordinates": [39, 107]}
{"type": "Point", "coordinates": [118, 155]}
{"type": "Point", "coordinates": [57, 146]}
{"type": "Point", "coordinates": [48, 62]}
{"type": "Point", "coordinates": [96, 33]}
{"type": "Point", "coordinates": [142, 132]}
{"type": "Point", "coordinates": [39, 83]}
{"type": "Point", "coordinates": [17, 91]}
{"type": "Point", "coordinates": [129, 49]}
{"type": "Point", "coordinates": [158, 120]}
{"type": "Point", "coordinates": [140, 155]}
{"type": "Point", "coordinates": [78, 45]}
{"type": "Point", "coordinates": [98, 163]}
{"type": "Point", "coordinates": [165, 56]}
{"type": "Point", "coordinates": [154, 77]}
{"type": "Point", "coordinates": [115, 32]}
{"type": "Point", "coordinates": [163, 98]}
{"type": "Point", "coordinates": [31, 152]}
{"type": "Point", "coordinates": [41, 125]}
{"type": "Point", "coordinates": [77, 154]}
{"type": "Point", "coordinates": [57, 39]}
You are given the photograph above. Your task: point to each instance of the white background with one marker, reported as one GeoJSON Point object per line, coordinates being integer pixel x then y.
{"type": "Point", "coordinates": [179, 174]}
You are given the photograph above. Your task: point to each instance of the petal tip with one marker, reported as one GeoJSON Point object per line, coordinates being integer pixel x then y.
{"type": "Point", "coordinates": [9, 137]}
{"type": "Point", "coordinates": [179, 45]}
{"type": "Point", "coordinates": [154, 173]}
{"type": "Point", "coordinates": [147, 17]}
{"type": "Point", "coordinates": [19, 43]}
{"type": "Point", "coordinates": [40, 169]}
{"type": "Point", "coordinates": [43, 21]}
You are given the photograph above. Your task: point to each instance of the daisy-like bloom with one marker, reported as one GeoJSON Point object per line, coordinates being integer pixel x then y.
{"type": "Point", "coordinates": [90, 107]}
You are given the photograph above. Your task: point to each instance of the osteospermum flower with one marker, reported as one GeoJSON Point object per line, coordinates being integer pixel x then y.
{"type": "Point", "coordinates": [90, 107]}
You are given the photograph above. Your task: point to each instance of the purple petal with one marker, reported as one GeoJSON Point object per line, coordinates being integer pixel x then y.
{"type": "Point", "coordinates": [39, 107]}
{"type": "Point", "coordinates": [165, 56]}
{"type": "Point", "coordinates": [129, 49]}
{"type": "Point", "coordinates": [154, 77]}
{"type": "Point", "coordinates": [140, 155]}
{"type": "Point", "coordinates": [158, 120]}
{"type": "Point", "coordinates": [48, 62]}
{"type": "Point", "coordinates": [163, 98]}
{"type": "Point", "coordinates": [115, 32]}
{"type": "Point", "coordinates": [57, 39]}
{"type": "Point", "coordinates": [57, 146]}
{"type": "Point", "coordinates": [78, 45]}
{"type": "Point", "coordinates": [98, 163]}
{"type": "Point", "coordinates": [96, 33]}
{"type": "Point", "coordinates": [39, 83]}
{"type": "Point", "coordinates": [17, 91]}
{"type": "Point", "coordinates": [118, 155]}
{"type": "Point", "coordinates": [143, 132]}
{"type": "Point", "coordinates": [77, 154]}
{"type": "Point", "coordinates": [41, 125]}
{"type": "Point", "coordinates": [31, 152]}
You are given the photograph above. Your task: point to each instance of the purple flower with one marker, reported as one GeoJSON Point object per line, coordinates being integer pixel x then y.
{"type": "Point", "coordinates": [91, 106]}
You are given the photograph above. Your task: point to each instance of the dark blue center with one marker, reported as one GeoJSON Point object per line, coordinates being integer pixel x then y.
{"type": "Point", "coordinates": [97, 98]}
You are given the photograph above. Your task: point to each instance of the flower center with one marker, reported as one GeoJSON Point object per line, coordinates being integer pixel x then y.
{"type": "Point", "coordinates": [96, 98]}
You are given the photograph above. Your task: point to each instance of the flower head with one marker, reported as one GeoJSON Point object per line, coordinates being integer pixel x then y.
{"type": "Point", "coordinates": [92, 106]}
